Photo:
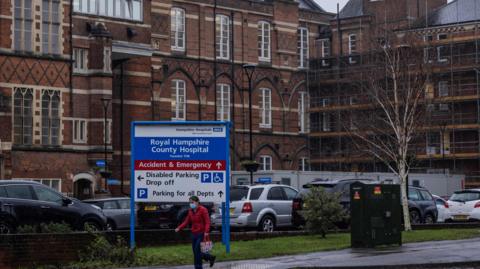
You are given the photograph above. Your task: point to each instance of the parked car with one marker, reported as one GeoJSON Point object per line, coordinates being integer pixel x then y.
{"type": "Point", "coordinates": [164, 215]}
{"type": "Point", "coordinates": [264, 207]}
{"type": "Point", "coordinates": [117, 211]}
{"type": "Point", "coordinates": [335, 186]}
{"type": "Point", "coordinates": [32, 203]}
{"type": "Point", "coordinates": [421, 205]}
{"type": "Point", "coordinates": [464, 206]}
{"type": "Point", "coordinates": [442, 208]}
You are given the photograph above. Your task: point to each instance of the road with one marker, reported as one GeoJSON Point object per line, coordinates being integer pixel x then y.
{"type": "Point", "coordinates": [411, 254]}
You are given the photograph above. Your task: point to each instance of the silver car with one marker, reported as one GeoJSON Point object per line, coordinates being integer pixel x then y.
{"type": "Point", "coordinates": [117, 211]}
{"type": "Point", "coordinates": [265, 207]}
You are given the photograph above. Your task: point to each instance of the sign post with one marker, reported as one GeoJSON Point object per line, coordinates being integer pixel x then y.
{"type": "Point", "coordinates": [171, 161]}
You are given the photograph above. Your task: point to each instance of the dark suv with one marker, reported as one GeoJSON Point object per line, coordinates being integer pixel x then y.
{"type": "Point", "coordinates": [421, 205]}
{"type": "Point", "coordinates": [32, 203]}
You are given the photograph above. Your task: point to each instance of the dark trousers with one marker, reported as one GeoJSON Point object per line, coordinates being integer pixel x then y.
{"type": "Point", "coordinates": [197, 252]}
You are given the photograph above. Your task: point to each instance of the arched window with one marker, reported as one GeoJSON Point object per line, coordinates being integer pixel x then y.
{"type": "Point", "coordinates": [50, 118]}
{"type": "Point", "coordinates": [178, 100]}
{"type": "Point", "coordinates": [223, 102]}
{"type": "Point", "coordinates": [23, 116]}
{"type": "Point", "coordinates": [265, 108]}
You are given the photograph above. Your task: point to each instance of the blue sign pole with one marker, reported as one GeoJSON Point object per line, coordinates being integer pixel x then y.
{"type": "Point", "coordinates": [227, 194]}
{"type": "Point", "coordinates": [132, 187]}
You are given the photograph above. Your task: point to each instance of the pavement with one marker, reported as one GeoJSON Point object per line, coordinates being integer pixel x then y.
{"type": "Point", "coordinates": [442, 252]}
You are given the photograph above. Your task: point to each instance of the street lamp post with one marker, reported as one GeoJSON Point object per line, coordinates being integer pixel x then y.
{"type": "Point", "coordinates": [249, 70]}
{"type": "Point", "coordinates": [105, 173]}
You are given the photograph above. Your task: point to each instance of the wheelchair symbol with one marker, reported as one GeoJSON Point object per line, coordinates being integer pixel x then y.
{"type": "Point", "coordinates": [217, 177]}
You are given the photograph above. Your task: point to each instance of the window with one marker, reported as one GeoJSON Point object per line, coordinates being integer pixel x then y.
{"type": "Point", "coordinates": [265, 108]}
{"type": "Point", "coordinates": [290, 193]}
{"type": "Point", "coordinates": [50, 117]}
{"type": "Point", "coordinates": [325, 51]}
{"type": "Point", "coordinates": [107, 60]}
{"type": "Point", "coordinates": [223, 37]}
{"type": "Point", "coordinates": [303, 112]}
{"type": "Point", "coordinates": [124, 204]}
{"type": "Point", "coordinates": [52, 183]}
{"type": "Point", "coordinates": [413, 195]}
{"type": "Point", "coordinates": [110, 205]}
{"type": "Point", "coordinates": [3, 192]}
{"type": "Point", "coordinates": [23, 21]}
{"type": "Point", "coordinates": [108, 131]}
{"type": "Point", "coordinates": [426, 195]}
{"type": "Point", "coordinates": [80, 60]}
{"type": "Point", "coordinates": [23, 116]}
{"type": "Point", "coordinates": [303, 47]}
{"type": "Point", "coordinates": [443, 89]}
{"type": "Point", "coordinates": [255, 193]}
{"type": "Point", "coordinates": [19, 192]}
{"type": "Point", "coordinates": [326, 125]}
{"type": "Point", "coordinates": [46, 195]}
{"type": "Point", "coordinates": [442, 52]}
{"type": "Point", "coordinates": [352, 48]}
{"type": "Point", "coordinates": [264, 41]}
{"type": "Point", "coordinates": [51, 26]}
{"type": "Point", "coordinates": [223, 102]}
{"type": "Point", "coordinates": [276, 193]}
{"type": "Point", "coordinates": [178, 100]}
{"type": "Point", "coordinates": [265, 163]}
{"type": "Point", "coordinates": [177, 29]}
{"type": "Point", "coordinates": [124, 9]}
{"type": "Point", "coordinates": [304, 164]}
{"type": "Point", "coordinates": [80, 131]}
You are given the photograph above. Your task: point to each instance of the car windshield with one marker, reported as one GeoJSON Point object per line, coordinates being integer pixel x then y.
{"type": "Point", "coordinates": [328, 187]}
{"type": "Point", "coordinates": [238, 194]}
{"type": "Point", "coordinates": [465, 196]}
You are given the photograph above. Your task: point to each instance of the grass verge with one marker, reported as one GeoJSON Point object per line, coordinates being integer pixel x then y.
{"type": "Point", "coordinates": [246, 250]}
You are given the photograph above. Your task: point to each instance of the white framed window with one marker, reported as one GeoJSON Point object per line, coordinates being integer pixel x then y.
{"type": "Point", "coordinates": [352, 44]}
{"type": "Point", "coordinates": [223, 102]}
{"type": "Point", "coordinates": [23, 22]}
{"type": "Point", "coordinates": [80, 60]}
{"type": "Point", "coordinates": [326, 125]}
{"type": "Point", "coordinates": [303, 48]}
{"type": "Point", "coordinates": [223, 37]}
{"type": "Point", "coordinates": [80, 131]}
{"type": "Point", "coordinates": [177, 33]}
{"type": "Point", "coordinates": [178, 100]}
{"type": "Point", "coordinates": [107, 132]}
{"type": "Point", "coordinates": [304, 164]}
{"type": "Point", "coordinates": [51, 26]}
{"type": "Point", "coordinates": [23, 116]}
{"type": "Point", "coordinates": [124, 9]}
{"type": "Point", "coordinates": [265, 108]}
{"type": "Point", "coordinates": [50, 117]}
{"type": "Point", "coordinates": [264, 40]}
{"type": "Point", "coordinates": [54, 183]}
{"type": "Point", "coordinates": [303, 112]}
{"type": "Point", "coordinates": [325, 51]}
{"type": "Point", "coordinates": [443, 88]}
{"type": "Point", "coordinates": [265, 163]}
{"type": "Point", "coordinates": [107, 60]}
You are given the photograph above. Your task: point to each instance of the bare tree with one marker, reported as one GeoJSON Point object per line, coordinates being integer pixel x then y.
{"type": "Point", "coordinates": [393, 81]}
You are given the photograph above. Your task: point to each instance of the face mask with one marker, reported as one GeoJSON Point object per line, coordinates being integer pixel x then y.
{"type": "Point", "coordinates": [193, 205]}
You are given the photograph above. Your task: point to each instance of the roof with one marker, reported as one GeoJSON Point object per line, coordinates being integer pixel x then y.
{"type": "Point", "coordinates": [310, 4]}
{"type": "Point", "coordinates": [458, 11]}
{"type": "Point", "coordinates": [353, 8]}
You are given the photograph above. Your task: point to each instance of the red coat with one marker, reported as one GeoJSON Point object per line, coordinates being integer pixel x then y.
{"type": "Point", "coordinates": [199, 219]}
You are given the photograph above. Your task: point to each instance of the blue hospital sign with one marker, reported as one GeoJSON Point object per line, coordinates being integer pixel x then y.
{"type": "Point", "coordinates": [173, 161]}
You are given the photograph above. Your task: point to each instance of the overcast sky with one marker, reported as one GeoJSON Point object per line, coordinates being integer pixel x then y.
{"type": "Point", "coordinates": [331, 5]}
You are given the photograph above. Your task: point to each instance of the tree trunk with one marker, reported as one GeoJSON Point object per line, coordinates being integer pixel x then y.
{"type": "Point", "coordinates": [403, 185]}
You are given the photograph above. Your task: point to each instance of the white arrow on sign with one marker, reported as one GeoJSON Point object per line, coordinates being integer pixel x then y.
{"type": "Point", "coordinates": [219, 165]}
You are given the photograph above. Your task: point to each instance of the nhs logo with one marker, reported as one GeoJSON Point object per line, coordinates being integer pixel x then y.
{"type": "Point", "coordinates": [217, 130]}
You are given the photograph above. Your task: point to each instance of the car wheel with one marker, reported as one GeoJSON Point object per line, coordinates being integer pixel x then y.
{"type": "Point", "coordinates": [429, 219]}
{"type": "Point", "coordinates": [6, 227]}
{"type": "Point", "coordinates": [91, 225]}
{"type": "Point", "coordinates": [111, 225]}
{"type": "Point", "coordinates": [267, 224]}
{"type": "Point", "coordinates": [414, 217]}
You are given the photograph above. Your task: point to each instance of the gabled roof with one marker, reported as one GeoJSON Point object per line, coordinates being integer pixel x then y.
{"type": "Point", "coordinates": [310, 4]}
{"type": "Point", "coordinates": [353, 8]}
{"type": "Point", "coordinates": [457, 11]}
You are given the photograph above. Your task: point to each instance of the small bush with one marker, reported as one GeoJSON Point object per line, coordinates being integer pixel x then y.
{"type": "Point", "coordinates": [45, 228]}
{"type": "Point", "coordinates": [28, 229]}
{"type": "Point", "coordinates": [322, 210]}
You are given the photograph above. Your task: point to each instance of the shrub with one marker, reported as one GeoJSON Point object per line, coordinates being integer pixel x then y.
{"type": "Point", "coordinates": [45, 228]}
{"type": "Point", "coordinates": [322, 210]}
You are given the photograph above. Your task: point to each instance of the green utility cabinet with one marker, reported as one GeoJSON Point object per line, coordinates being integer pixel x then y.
{"type": "Point", "coordinates": [376, 215]}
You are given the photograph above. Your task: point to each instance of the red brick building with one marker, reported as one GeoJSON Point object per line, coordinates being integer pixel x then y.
{"type": "Point", "coordinates": [63, 67]}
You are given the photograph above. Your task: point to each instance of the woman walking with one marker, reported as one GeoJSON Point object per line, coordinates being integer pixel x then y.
{"type": "Point", "coordinates": [199, 219]}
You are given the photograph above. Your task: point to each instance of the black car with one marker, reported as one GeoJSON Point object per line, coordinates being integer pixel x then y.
{"type": "Point", "coordinates": [338, 186]}
{"type": "Point", "coordinates": [31, 203]}
{"type": "Point", "coordinates": [421, 205]}
{"type": "Point", "coordinates": [164, 215]}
